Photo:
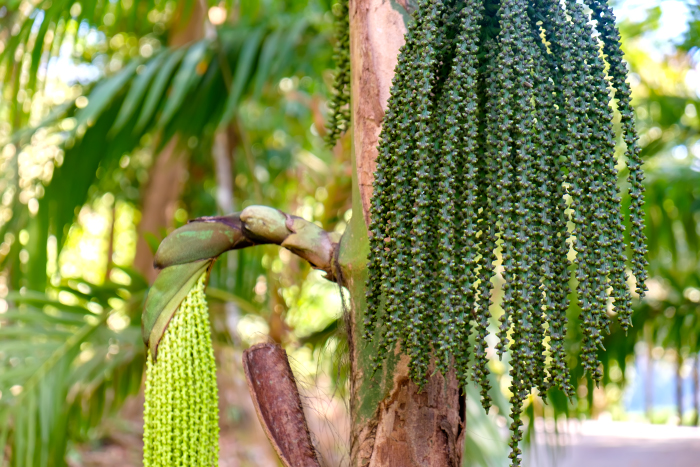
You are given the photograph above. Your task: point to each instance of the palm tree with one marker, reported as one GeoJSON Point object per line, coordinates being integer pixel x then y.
{"type": "Point", "coordinates": [174, 96]}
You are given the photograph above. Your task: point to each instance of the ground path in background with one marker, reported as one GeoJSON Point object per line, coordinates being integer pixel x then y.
{"type": "Point", "coordinates": [618, 444]}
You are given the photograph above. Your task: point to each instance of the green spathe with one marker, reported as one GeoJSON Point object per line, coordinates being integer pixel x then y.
{"type": "Point", "coordinates": [165, 296]}
{"type": "Point", "coordinates": [196, 241]}
{"type": "Point", "coordinates": [209, 237]}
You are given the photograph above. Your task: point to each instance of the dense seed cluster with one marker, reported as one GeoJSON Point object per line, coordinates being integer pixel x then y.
{"type": "Point", "coordinates": [339, 105]}
{"type": "Point", "coordinates": [498, 143]}
{"type": "Point", "coordinates": [181, 415]}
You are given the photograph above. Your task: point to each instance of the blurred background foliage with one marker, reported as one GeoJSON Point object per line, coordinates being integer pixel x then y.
{"type": "Point", "coordinates": [121, 119]}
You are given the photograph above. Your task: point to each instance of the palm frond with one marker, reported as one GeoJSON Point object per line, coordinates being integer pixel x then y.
{"type": "Point", "coordinates": [63, 368]}
{"type": "Point", "coordinates": [34, 33]}
{"type": "Point", "coordinates": [178, 91]}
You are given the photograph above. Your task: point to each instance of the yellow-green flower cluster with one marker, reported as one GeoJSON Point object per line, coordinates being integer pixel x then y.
{"type": "Point", "coordinates": [181, 416]}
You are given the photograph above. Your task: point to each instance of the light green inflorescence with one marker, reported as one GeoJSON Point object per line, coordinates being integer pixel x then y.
{"type": "Point", "coordinates": [181, 416]}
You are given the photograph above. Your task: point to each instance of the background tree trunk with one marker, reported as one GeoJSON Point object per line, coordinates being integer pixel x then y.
{"type": "Point", "coordinates": [167, 174]}
{"type": "Point", "coordinates": [392, 423]}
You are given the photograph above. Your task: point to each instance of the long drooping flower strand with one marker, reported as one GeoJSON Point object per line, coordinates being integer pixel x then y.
{"type": "Point", "coordinates": [423, 239]}
{"type": "Point", "coordinates": [610, 37]}
{"type": "Point", "coordinates": [596, 233]}
{"type": "Point", "coordinates": [547, 17]}
{"type": "Point", "coordinates": [611, 215]}
{"type": "Point", "coordinates": [181, 409]}
{"type": "Point", "coordinates": [515, 124]}
{"type": "Point", "coordinates": [580, 178]}
{"type": "Point", "coordinates": [505, 185]}
{"type": "Point", "coordinates": [515, 62]}
{"type": "Point", "coordinates": [540, 205]}
{"type": "Point", "coordinates": [458, 195]}
{"type": "Point", "coordinates": [486, 138]}
{"type": "Point", "coordinates": [339, 105]}
{"type": "Point", "coordinates": [608, 212]}
{"type": "Point", "coordinates": [543, 206]}
{"type": "Point", "coordinates": [390, 181]}
{"type": "Point", "coordinates": [453, 306]}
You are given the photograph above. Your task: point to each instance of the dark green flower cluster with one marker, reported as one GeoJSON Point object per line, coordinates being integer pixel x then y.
{"type": "Point", "coordinates": [498, 143]}
{"type": "Point", "coordinates": [339, 105]}
{"type": "Point", "coordinates": [610, 37]}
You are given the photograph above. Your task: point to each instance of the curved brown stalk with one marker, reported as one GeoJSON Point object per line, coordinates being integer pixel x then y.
{"type": "Point", "coordinates": [208, 237]}
{"type": "Point", "coordinates": [187, 253]}
{"type": "Point", "coordinates": [276, 399]}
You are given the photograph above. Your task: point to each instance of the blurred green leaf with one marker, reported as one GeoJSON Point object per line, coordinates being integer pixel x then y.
{"type": "Point", "coordinates": [242, 73]}
{"type": "Point", "coordinates": [156, 90]}
{"type": "Point", "coordinates": [136, 92]}
{"type": "Point", "coordinates": [183, 80]}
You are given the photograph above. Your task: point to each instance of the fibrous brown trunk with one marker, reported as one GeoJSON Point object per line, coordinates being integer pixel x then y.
{"type": "Point", "coordinates": [413, 428]}
{"type": "Point", "coordinates": [393, 423]}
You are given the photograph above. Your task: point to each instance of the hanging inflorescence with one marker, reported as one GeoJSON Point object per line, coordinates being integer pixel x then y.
{"type": "Point", "coordinates": [339, 105]}
{"type": "Point", "coordinates": [498, 143]}
{"type": "Point", "coordinates": [181, 415]}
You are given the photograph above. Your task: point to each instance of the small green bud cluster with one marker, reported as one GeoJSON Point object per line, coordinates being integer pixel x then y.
{"type": "Point", "coordinates": [339, 105]}
{"type": "Point", "coordinates": [498, 138]}
{"type": "Point", "coordinates": [610, 37]}
{"type": "Point", "coordinates": [181, 414]}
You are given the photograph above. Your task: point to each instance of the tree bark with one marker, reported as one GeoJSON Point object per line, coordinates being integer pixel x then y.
{"type": "Point", "coordinates": [393, 424]}
{"type": "Point", "coordinates": [377, 31]}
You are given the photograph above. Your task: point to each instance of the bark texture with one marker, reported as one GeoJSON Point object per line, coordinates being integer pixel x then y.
{"type": "Point", "coordinates": [394, 425]}
{"type": "Point", "coordinates": [377, 28]}
{"type": "Point", "coordinates": [416, 429]}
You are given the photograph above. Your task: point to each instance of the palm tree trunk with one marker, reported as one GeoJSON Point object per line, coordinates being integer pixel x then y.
{"type": "Point", "coordinates": [392, 422]}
